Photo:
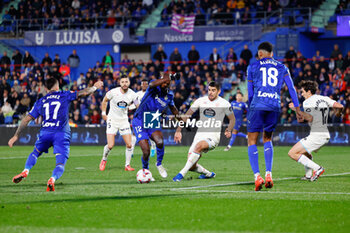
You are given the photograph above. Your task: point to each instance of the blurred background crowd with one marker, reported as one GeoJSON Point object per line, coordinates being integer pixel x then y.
{"type": "Point", "coordinates": [22, 79]}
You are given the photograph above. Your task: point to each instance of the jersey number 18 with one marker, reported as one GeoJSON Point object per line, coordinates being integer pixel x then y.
{"type": "Point", "coordinates": [270, 75]}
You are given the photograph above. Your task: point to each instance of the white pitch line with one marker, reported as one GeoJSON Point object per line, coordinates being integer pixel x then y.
{"type": "Point", "coordinates": [276, 192]}
{"type": "Point", "coordinates": [249, 182]}
{"type": "Point", "coordinates": [49, 156]}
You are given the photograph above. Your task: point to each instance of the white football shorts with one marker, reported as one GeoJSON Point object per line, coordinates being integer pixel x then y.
{"type": "Point", "coordinates": [212, 142]}
{"type": "Point", "coordinates": [314, 142]}
{"type": "Point", "coordinates": [113, 126]}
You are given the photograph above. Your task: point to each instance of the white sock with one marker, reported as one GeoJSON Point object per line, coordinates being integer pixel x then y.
{"type": "Point", "coordinates": [133, 141]}
{"type": "Point", "coordinates": [106, 151]}
{"type": "Point", "coordinates": [54, 180]}
{"type": "Point", "coordinates": [128, 154]}
{"type": "Point", "coordinates": [308, 171]}
{"type": "Point", "coordinates": [192, 159]}
{"type": "Point", "coordinates": [308, 162]}
{"type": "Point", "coordinates": [26, 171]}
{"type": "Point", "coordinates": [256, 175]}
{"type": "Point", "coordinates": [201, 170]}
{"type": "Point", "coordinates": [268, 173]}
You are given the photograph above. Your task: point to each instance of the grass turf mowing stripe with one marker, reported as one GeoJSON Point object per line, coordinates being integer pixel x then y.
{"type": "Point", "coordinates": [249, 182]}
{"type": "Point", "coordinates": [270, 192]}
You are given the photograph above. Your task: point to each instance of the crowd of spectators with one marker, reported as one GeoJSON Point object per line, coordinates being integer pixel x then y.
{"type": "Point", "coordinates": [230, 12]}
{"type": "Point", "coordinates": [78, 14]}
{"type": "Point", "coordinates": [87, 14]}
{"type": "Point", "coordinates": [21, 87]}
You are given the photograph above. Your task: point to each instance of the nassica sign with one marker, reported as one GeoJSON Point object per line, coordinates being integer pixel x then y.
{"type": "Point", "coordinates": [103, 36]}
{"type": "Point", "coordinates": [343, 26]}
{"type": "Point", "coordinates": [205, 33]}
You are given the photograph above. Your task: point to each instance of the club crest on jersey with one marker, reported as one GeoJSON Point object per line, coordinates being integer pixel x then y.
{"type": "Point", "coordinates": [122, 104]}
{"type": "Point", "coordinates": [209, 112]}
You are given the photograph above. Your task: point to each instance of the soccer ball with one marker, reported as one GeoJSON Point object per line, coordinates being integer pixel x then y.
{"type": "Point", "coordinates": [143, 176]}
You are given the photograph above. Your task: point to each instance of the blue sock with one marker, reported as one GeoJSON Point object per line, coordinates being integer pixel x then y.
{"type": "Point", "coordinates": [144, 163]}
{"type": "Point", "coordinates": [31, 160]}
{"type": "Point", "coordinates": [59, 169]}
{"type": "Point", "coordinates": [268, 151]}
{"type": "Point", "coordinates": [254, 158]}
{"type": "Point", "coordinates": [241, 135]}
{"type": "Point", "coordinates": [232, 140]}
{"type": "Point", "coordinates": [160, 155]}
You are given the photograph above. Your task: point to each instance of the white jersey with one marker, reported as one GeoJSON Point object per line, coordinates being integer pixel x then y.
{"type": "Point", "coordinates": [119, 103]}
{"type": "Point", "coordinates": [139, 96]}
{"type": "Point", "coordinates": [212, 114]}
{"type": "Point", "coordinates": [318, 107]}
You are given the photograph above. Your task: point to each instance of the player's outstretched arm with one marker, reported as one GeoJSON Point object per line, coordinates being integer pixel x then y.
{"type": "Point", "coordinates": [230, 126]}
{"type": "Point", "coordinates": [288, 80]}
{"type": "Point", "coordinates": [89, 90]}
{"type": "Point", "coordinates": [338, 109]}
{"type": "Point", "coordinates": [166, 79]}
{"type": "Point", "coordinates": [20, 128]}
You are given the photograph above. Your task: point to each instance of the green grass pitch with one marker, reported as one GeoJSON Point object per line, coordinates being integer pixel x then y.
{"type": "Point", "coordinates": [88, 200]}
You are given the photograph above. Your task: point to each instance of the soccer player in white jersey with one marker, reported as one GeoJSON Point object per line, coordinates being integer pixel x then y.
{"type": "Point", "coordinates": [117, 119]}
{"type": "Point", "coordinates": [212, 108]}
{"type": "Point", "coordinates": [316, 110]}
{"type": "Point", "coordinates": [139, 96]}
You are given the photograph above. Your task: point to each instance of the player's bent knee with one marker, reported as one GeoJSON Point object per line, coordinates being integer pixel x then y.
{"type": "Point", "coordinates": [128, 145]}
{"type": "Point", "coordinates": [159, 143]}
{"type": "Point", "coordinates": [193, 167]}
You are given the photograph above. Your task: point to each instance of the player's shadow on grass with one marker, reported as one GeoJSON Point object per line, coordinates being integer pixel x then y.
{"type": "Point", "coordinates": [103, 198]}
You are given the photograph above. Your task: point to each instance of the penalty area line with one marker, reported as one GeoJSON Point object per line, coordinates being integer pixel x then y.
{"type": "Point", "coordinates": [249, 182]}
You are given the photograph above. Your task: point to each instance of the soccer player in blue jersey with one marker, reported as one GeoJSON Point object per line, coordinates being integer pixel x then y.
{"type": "Point", "coordinates": [156, 99]}
{"type": "Point", "coordinates": [265, 79]}
{"type": "Point", "coordinates": [238, 107]}
{"type": "Point", "coordinates": [55, 130]}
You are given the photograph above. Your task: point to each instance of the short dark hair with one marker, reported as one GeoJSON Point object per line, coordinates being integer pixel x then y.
{"type": "Point", "coordinates": [50, 83]}
{"type": "Point", "coordinates": [214, 84]}
{"type": "Point", "coordinates": [267, 46]}
{"type": "Point", "coordinates": [144, 80]}
{"type": "Point", "coordinates": [309, 85]}
{"type": "Point", "coordinates": [124, 76]}
{"type": "Point", "coordinates": [239, 93]}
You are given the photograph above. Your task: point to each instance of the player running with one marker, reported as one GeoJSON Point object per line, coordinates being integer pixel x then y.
{"type": "Point", "coordinates": [55, 130]}
{"type": "Point", "coordinates": [238, 108]}
{"type": "Point", "coordinates": [117, 120]}
{"type": "Point", "coordinates": [211, 108]}
{"type": "Point", "coordinates": [139, 96]}
{"type": "Point", "coordinates": [265, 79]}
{"type": "Point", "coordinates": [316, 110]}
{"type": "Point", "coordinates": [156, 99]}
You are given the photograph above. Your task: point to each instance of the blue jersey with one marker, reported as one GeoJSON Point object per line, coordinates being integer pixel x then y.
{"type": "Point", "coordinates": [154, 100]}
{"type": "Point", "coordinates": [266, 78]}
{"type": "Point", "coordinates": [238, 109]}
{"type": "Point", "coordinates": [54, 107]}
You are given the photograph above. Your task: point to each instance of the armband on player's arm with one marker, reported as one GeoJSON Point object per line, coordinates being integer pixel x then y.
{"type": "Point", "coordinates": [291, 89]}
